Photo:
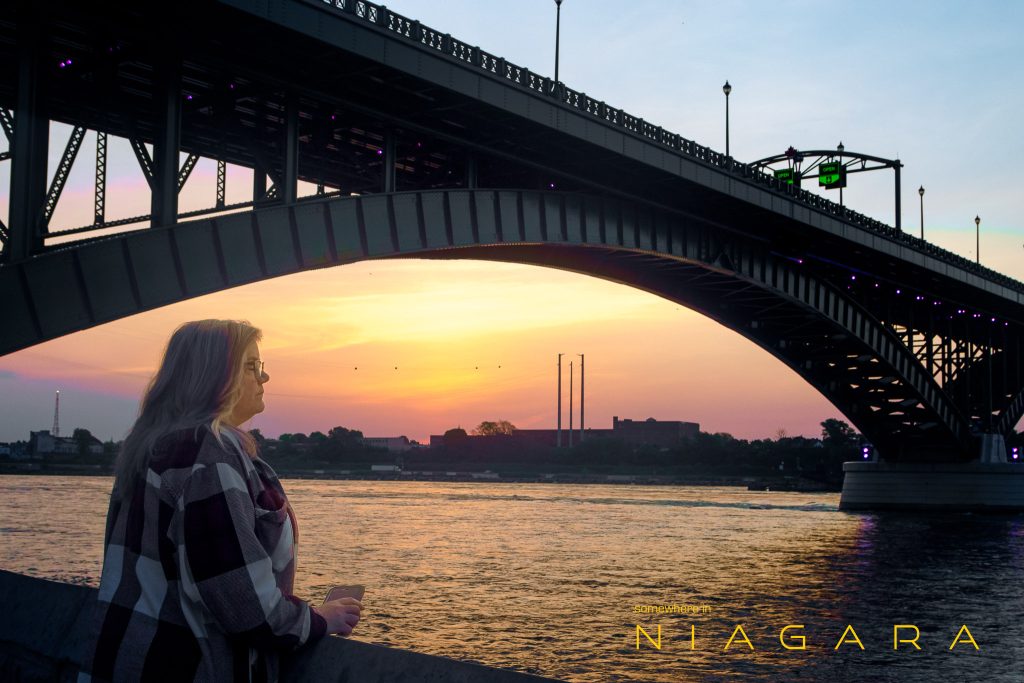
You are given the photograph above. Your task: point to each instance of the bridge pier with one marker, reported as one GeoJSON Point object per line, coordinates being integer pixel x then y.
{"type": "Point", "coordinates": [975, 486]}
{"type": "Point", "coordinates": [993, 448]}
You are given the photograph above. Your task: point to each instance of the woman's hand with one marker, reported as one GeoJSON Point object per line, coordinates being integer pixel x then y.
{"type": "Point", "coordinates": [342, 615]}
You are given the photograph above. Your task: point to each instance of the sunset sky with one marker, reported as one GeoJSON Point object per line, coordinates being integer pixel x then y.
{"type": "Point", "coordinates": [417, 347]}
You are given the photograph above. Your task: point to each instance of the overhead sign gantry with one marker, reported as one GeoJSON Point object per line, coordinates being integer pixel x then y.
{"type": "Point", "coordinates": [829, 166]}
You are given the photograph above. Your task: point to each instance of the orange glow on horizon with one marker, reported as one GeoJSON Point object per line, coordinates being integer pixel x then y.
{"type": "Point", "coordinates": [471, 341]}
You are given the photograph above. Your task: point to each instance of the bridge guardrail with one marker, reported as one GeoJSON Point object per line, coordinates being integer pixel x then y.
{"type": "Point", "coordinates": [472, 55]}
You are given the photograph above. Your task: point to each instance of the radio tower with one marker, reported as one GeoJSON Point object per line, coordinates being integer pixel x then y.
{"type": "Point", "coordinates": [56, 415]}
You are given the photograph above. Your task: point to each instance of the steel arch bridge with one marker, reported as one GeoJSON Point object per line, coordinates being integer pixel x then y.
{"type": "Point", "coordinates": [822, 330]}
{"type": "Point", "coordinates": [423, 146]}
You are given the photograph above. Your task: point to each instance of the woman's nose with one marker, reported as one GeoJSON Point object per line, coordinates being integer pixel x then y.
{"type": "Point", "coordinates": [265, 377]}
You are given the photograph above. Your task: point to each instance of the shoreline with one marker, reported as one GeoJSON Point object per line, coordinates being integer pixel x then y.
{"type": "Point", "coordinates": [752, 483]}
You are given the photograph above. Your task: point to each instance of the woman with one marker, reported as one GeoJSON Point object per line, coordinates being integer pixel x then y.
{"type": "Point", "coordinates": [201, 542]}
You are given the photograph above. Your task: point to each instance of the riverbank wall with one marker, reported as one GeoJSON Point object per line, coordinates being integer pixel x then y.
{"type": "Point", "coordinates": [43, 634]}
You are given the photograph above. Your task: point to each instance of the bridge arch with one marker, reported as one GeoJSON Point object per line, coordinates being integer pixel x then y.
{"type": "Point", "coordinates": [853, 359]}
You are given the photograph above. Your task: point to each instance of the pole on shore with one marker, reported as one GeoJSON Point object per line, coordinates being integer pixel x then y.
{"type": "Point", "coordinates": [558, 443]}
{"type": "Point", "coordinates": [570, 404]}
{"type": "Point", "coordinates": [581, 398]}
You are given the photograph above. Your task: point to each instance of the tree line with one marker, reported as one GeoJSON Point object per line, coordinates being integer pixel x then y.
{"type": "Point", "coordinates": [705, 454]}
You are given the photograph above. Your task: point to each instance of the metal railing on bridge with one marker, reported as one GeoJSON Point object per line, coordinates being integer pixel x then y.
{"type": "Point", "coordinates": [473, 56]}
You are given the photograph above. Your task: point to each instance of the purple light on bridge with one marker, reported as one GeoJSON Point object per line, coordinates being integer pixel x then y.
{"type": "Point", "coordinates": [379, 152]}
{"type": "Point", "coordinates": [899, 291]}
{"type": "Point", "coordinates": [188, 97]}
{"type": "Point", "coordinates": [551, 186]}
{"type": "Point", "coordinates": [853, 277]}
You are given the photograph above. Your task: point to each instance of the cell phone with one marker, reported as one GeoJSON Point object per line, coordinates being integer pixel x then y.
{"type": "Point", "coordinates": [337, 592]}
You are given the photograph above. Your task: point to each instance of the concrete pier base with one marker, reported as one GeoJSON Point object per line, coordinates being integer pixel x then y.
{"type": "Point", "coordinates": [970, 486]}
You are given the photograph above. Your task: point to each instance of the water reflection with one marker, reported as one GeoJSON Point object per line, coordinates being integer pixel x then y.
{"type": "Point", "coordinates": [545, 578]}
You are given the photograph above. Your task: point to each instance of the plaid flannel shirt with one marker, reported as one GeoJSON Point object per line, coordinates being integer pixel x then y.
{"type": "Point", "coordinates": [198, 570]}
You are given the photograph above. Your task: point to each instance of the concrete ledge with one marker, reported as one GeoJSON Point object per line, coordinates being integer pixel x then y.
{"type": "Point", "coordinates": [965, 487]}
{"type": "Point", "coordinates": [350, 661]}
{"type": "Point", "coordinates": [42, 631]}
{"type": "Point", "coordinates": [43, 634]}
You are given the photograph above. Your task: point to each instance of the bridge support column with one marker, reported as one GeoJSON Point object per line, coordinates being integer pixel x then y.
{"type": "Point", "coordinates": [993, 448]}
{"type": "Point", "coordinates": [259, 182]}
{"type": "Point", "coordinates": [390, 156]}
{"type": "Point", "coordinates": [167, 141]}
{"type": "Point", "coordinates": [290, 190]}
{"type": "Point", "coordinates": [471, 173]}
{"type": "Point", "coordinates": [968, 486]}
{"type": "Point", "coordinates": [29, 148]}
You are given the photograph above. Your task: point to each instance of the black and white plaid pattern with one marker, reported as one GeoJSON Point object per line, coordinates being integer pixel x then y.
{"type": "Point", "coordinates": [199, 570]}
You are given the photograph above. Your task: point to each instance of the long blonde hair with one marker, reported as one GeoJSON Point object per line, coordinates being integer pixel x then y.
{"type": "Point", "coordinates": [198, 384]}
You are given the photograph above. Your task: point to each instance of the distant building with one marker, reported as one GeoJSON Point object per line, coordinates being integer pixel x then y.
{"type": "Point", "coordinates": [651, 432]}
{"type": "Point", "coordinates": [18, 451]}
{"type": "Point", "coordinates": [664, 433]}
{"type": "Point", "coordinates": [43, 443]}
{"type": "Point", "coordinates": [393, 444]}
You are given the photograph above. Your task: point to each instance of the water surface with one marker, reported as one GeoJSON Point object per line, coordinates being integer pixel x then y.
{"type": "Point", "coordinates": [545, 578]}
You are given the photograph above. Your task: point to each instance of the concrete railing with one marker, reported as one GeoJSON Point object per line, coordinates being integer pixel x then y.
{"type": "Point", "coordinates": [43, 633]}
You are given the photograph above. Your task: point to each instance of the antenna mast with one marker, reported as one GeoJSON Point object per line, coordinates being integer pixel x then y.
{"type": "Point", "coordinates": [56, 415]}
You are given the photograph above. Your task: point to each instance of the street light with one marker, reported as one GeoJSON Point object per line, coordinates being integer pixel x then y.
{"type": "Point", "coordinates": [558, 27]}
{"type": "Point", "coordinates": [727, 89]}
{"type": "Point", "coordinates": [977, 239]}
{"type": "Point", "coordinates": [920, 192]}
{"type": "Point", "coordinates": [839, 148]}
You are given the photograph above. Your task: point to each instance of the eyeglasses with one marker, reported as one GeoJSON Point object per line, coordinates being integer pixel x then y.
{"type": "Point", "coordinates": [257, 367]}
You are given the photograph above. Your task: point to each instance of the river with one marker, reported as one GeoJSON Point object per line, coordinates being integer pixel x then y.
{"type": "Point", "coordinates": [554, 579]}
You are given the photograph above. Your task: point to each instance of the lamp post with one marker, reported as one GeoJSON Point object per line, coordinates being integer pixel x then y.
{"type": "Point", "coordinates": [977, 239]}
{"type": "Point", "coordinates": [558, 28]}
{"type": "Point", "coordinates": [920, 193]}
{"type": "Point", "coordinates": [727, 89]}
{"type": "Point", "coordinates": [839, 148]}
